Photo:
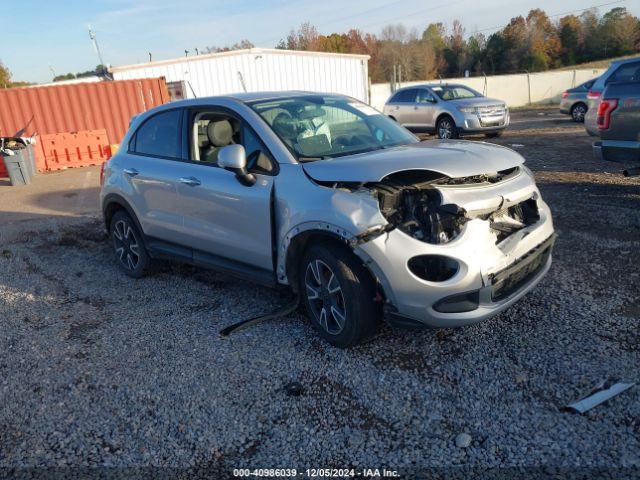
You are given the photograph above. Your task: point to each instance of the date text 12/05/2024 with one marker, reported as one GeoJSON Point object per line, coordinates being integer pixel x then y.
{"type": "Point", "coordinates": [316, 473]}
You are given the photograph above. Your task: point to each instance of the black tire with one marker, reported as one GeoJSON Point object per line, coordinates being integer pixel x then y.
{"type": "Point", "coordinates": [578, 111]}
{"type": "Point", "coordinates": [493, 134]}
{"type": "Point", "coordinates": [325, 267]}
{"type": "Point", "coordinates": [446, 124]}
{"type": "Point", "coordinates": [128, 245]}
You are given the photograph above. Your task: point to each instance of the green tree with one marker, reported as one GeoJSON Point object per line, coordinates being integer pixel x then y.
{"type": "Point", "coordinates": [5, 76]}
{"type": "Point", "coordinates": [618, 32]}
{"type": "Point", "coordinates": [571, 39]}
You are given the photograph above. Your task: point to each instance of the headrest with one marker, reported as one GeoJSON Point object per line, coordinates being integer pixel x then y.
{"type": "Point", "coordinates": [220, 133]}
{"type": "Point", "coordinates": [284, 125]}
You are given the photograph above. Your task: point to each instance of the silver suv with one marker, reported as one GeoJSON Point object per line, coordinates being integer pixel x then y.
{"type": "Point", "coordinates": [330, 197]}
{"type": "Point", "coordinates": [447, 110]}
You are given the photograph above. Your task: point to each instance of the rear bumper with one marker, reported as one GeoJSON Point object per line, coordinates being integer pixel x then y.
{"type": "Point", "coordinates": [620, 151]}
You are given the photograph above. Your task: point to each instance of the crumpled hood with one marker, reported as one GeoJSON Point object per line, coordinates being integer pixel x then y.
{"type": "Point", "coordinates": [454, 159]}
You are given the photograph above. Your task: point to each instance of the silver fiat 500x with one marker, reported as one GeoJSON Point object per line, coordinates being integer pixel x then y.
{"type": "Point", "coordinates": [324, 194]}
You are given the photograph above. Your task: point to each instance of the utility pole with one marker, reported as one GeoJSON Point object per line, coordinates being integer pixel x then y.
{"type": "Point", "coordinates": [53, 72]}
{"type": "Point", "coordinates": [93, 38]}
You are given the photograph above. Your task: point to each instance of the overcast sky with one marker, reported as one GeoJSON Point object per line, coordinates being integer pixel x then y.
{"type": "Point", "coordinates": [43, 33]}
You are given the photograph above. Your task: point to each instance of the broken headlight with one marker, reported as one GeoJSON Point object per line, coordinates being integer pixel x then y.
{"type": "Point", "coordinates": [419, 213]}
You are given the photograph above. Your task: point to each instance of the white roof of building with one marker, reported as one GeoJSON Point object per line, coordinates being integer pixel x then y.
{"type": "Point", "coordinates": [252, 51]}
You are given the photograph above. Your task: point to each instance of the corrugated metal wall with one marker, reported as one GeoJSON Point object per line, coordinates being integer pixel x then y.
{"type": "Point", "coordinates": [85, 106]}
{"type": "Point", "coordinates": [262, 70]}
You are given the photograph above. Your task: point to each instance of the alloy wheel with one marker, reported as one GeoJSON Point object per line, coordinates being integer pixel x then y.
{"type": "Point", "coordinates": [325, 297]}
{"type": "Point", "coordinates": [126, 245]}
{"type": "Point", "coordinates": [578, 113]}
{"type": "Point", "coordinates": [445, 129]}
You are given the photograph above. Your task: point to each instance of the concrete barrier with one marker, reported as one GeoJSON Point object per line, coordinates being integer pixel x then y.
{"type": "Point", "coordinates": [516, 90]}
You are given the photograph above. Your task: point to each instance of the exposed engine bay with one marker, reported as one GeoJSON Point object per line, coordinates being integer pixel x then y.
{"type": "Point", "coordinates": [411, 202]}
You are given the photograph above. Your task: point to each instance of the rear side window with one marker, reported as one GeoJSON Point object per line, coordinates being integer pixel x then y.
{"type": "Point", "coordinates": [629, 72]}
{"type": "Point", "coordinates": [160, 135]}
{"type": "Point", "coordinates": [407, 96]}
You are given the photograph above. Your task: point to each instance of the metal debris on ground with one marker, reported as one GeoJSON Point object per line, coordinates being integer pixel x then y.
{"type": "Point", "coordinates": [281, 312]}
{"type": "Point", "coordinates": [294, 389]}
{"type": "Point", "coordinates": [599, 395]}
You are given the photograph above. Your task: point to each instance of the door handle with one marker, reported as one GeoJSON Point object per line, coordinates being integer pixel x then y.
{"type": "Point", "coordinates": [191, 181]}
{"type": "Point", "coordinates": [132, 172]}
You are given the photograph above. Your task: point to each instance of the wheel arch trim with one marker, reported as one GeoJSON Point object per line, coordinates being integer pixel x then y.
{"type": "Point", "coordinates": [287, 256]}
{"type": "Point", "coordinates": [115, 199]}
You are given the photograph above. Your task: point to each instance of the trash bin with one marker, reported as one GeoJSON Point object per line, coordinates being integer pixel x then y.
{"type": "Point", "coordinates": [16, 168]}
{"type": "Point", "coordinates": [30, 160]}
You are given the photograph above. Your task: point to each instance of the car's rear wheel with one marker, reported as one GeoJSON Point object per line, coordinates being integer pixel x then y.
{"type": "Point", "coordinates": [578, 111]}
{"type": "Point", "coordinates": [446, 128]}
{"type": "Point", "coordinates": [339, 295]}
{"type": "Point", "coordinates": [131, 254]}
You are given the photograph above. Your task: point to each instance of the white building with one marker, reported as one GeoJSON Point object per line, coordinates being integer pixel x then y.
{"type": "Point", "coordinates": [256, 69]}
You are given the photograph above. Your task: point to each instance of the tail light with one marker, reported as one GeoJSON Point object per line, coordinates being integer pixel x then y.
{"type": "Point", "coordinates": [565, 94]}
{"type": "Point", "coordinates": [593, 95]}
{"type": "Point", "coordinates": [604, 112]}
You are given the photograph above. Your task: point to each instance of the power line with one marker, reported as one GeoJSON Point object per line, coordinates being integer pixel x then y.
{"type": "Point", "coordinates": [555, 15]}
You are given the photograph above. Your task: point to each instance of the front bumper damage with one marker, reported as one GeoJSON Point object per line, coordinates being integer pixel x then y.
{"type": "Point", "coordinates": [493, 271]}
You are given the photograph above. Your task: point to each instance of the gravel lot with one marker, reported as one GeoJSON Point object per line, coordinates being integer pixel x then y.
{"type": "Point", "coordinates": [97, 369]}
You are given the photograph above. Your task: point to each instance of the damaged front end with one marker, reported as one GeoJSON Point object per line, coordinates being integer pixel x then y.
{"type": "Point", "coordinates": [412, 201]}
{"type": "Point", "coordinates": [456, 251]}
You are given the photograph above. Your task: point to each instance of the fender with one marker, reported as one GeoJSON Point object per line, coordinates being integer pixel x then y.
{"type": "Point", "coordinates": [114, 198]}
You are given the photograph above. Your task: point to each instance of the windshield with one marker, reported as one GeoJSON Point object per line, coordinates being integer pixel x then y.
{"type": "Point", "coordinates": [317, 127]}
{"type": "Point", "coordinates": [450, 92]}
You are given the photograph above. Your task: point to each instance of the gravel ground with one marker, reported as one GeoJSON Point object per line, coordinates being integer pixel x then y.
{"type": "Point", "coordinates": [97, 369]}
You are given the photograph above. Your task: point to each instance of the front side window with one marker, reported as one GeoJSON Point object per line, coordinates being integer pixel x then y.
{"type": "Point", "coordinates": [212, 131]}
{"type": "Point", "coordinates": [159, 136]}
{"type": "Point", "coordinates": [316, 127]}
{"type": "Point", "coordinates": [450, 92]}
{"type": "Point", "coordinates": [424, 96]}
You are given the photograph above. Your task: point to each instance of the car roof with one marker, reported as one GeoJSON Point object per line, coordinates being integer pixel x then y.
{"type": "Point", "coordinates": [247, 97]}
{"type": "Point", "coordinates": [431, 85]}
{"type": "Point", "coordinates": [626, 60]}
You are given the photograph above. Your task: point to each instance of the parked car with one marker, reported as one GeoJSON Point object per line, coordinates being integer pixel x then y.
{"type": "Point", "coordinates": [448, 110]}
{"type": "Point", "coordinates": [618, 120]}
{"type": "Point", "coordinates": [574, 101]}
{"type": "Point", "coordinates": [619, 71]}
{"type": "Point", "coordinates": [328, 196]}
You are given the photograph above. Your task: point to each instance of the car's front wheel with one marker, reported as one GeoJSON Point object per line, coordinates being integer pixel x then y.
{"type": "Point", "coordinates": [131, 255]}
{"type": "Point", "coordinates": [339, 295]}
{"type": "Point", "coordinates": [446, 128]}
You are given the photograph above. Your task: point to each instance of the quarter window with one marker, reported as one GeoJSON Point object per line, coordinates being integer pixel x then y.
{"type": "Point", "coordinates": [160, 135]}
{"type": "Point", "coordinates": [629, 72]}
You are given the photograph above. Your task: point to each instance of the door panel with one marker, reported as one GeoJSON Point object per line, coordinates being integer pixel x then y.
{"type": "Point", "coordinates": [422, 111]}
{"type": "Point", "coordinates": [224, 217]}
{"type": "Point", "coordinates": [154, 194]}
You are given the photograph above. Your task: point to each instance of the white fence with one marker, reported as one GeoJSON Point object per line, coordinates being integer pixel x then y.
{"type": "Point", "coordinates": [517, 90]}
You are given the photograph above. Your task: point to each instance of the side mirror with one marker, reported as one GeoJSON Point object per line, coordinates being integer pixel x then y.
{"type": "Point", "coordinates": [234, 159]}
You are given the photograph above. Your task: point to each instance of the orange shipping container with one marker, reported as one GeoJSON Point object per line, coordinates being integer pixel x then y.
{"type": "Point", "coordinates": [107, 105]}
